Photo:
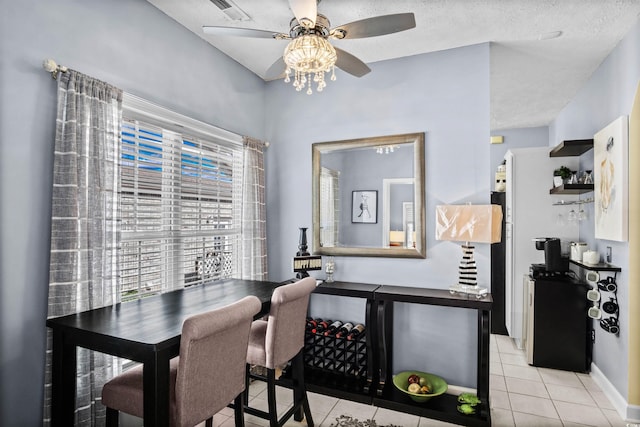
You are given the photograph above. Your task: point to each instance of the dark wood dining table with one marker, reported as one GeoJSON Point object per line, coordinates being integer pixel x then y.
{"type": "Point", "coordinates": [147, 331]}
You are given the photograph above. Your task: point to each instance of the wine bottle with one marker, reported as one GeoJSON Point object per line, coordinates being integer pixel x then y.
{"type": "Point", "coordinates": [356, 331]}
{"type": "Point", "coordinates": [344, 330]}
{"type": "Point", "coordinates": [321, 326]}
{"type": "Point", "coordinates": [333, 328]}
{"type": "Point", "coordinates": [312, 324]}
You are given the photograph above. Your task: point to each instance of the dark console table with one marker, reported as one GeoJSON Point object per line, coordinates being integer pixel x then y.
{"type": "Point", "coordinates": [378, 388]}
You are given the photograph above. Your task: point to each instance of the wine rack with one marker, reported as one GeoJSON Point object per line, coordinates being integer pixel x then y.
{"type": "Point", "coordinates": [336, 355]}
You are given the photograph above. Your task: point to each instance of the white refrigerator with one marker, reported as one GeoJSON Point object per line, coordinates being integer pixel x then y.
{"type": "Point", "coordinates": [529, 213]}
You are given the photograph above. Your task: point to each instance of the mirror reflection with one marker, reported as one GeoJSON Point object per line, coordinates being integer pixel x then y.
{"type": "Point", "coordinates": [398, 228]}
{"type": "Point", "coordinates": [368, 197]}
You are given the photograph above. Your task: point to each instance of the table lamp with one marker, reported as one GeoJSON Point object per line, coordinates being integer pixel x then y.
{"type": "Point", "coordinates": [468, 224]}
{"type": "Point", "coordinates": [396, 238]}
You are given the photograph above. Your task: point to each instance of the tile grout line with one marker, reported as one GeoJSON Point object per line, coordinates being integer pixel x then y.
{"type": "Point", "coordinates": [546, 385]}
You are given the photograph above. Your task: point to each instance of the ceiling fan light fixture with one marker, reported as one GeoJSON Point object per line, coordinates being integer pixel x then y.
{"type": "Point", "coordinates": [385, 149]}
{"type": "Point", "coordinates": [309, 55]}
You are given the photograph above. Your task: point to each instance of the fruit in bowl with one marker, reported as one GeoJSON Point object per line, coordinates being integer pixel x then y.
{"type": "Point", "coordinates": [414, 388]}
{"type": "Point", "coordinates": [419, 386]}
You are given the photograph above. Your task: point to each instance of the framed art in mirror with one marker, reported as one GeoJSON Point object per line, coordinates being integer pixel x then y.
{"type": "Point", "coordinates": [364, 207]}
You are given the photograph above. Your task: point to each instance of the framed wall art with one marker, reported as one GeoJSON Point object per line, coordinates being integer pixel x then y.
{"type": "Point", "coordinates": [364, 207]}
{"type": "Point", "coordinates": [611, 180]}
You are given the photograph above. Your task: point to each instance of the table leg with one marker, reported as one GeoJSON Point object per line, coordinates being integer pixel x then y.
{"type": "Point", "coordinates": [483, 361]}
{"type": "Point", "coordinates": [156, 389]}
{"type": "Point", "coordinates": [63, 380]}
{"type": "Point", "coordinates": [372, 348]}
{"type": "Point", "coordinates": [385, 337]}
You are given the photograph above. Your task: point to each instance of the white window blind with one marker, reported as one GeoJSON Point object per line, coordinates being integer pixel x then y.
{"type": "Point", "coordinates": [180, 202]}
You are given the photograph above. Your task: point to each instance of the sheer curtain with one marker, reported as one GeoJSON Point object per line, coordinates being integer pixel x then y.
{"type": "Point", "coordinates": [254, 216]}
{"type": "Point", "coordinates": [84, 228]}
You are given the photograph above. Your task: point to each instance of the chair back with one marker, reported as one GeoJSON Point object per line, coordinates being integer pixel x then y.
{"type": "Point", "coordinates": [211, 369]}
{"type": "Point", "coordinates": [287, 319]}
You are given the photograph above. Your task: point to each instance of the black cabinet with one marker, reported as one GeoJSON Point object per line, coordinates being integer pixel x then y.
{"type": "Point", "coordinates": [559, 330]}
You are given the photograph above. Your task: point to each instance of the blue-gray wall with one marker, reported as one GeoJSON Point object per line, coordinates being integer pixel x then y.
{"type": "Point", "coordinates": [444, 94]}
{"type": "Point", "coordinates": [516, 138]}
{"type": "Point", "coordinates": [132, 45]}
{"type": "Point", "coordinates": [607, 96]}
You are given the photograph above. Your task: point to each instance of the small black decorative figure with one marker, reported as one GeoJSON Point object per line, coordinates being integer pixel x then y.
{"type": "Point", "coordinates": [302, 245]}
{"type": "Point", "coordinates": [302, 251]}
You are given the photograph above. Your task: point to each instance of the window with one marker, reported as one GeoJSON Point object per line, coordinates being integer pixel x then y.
{"type": "Point", "coordinates": [329, 212]}
{"type": "Point", "coordinates": [180, 201]}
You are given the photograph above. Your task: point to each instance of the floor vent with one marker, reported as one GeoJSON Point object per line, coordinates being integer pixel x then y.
{"type": "Point", "coordinates": [231, 10]}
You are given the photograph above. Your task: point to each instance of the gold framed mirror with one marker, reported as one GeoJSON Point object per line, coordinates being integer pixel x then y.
{"type": "Point", "coordinates": [368, 197]}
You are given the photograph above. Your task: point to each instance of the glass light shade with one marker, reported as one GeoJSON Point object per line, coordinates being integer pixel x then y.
{"type": "Point", "coordinates": [386, 149]}
{"type": "Point", "coordinates": [306, 55]}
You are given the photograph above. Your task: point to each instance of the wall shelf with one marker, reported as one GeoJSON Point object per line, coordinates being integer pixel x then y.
{"type": "Point", "coordinates": [602, 266]}
{"type": "Point", "coordinates": [573, 202]}
{"type": "Point", "coordinates": [572, 189]}
{"type": "Point", "coordinates": [571, 148]}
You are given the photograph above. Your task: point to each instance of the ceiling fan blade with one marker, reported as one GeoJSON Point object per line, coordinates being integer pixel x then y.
{"type": "Point", "coordinates": [305, 11]}
{"type": "Point", "coordinates": [276, 70]}
{"type": "Point", "coordinates": [243, 32]}
{"type": "Point", "coordinates": [350, 64]}
{"type": "Point", "coordinates": [376, 26]}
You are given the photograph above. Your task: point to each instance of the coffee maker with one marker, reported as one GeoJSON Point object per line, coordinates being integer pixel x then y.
{"type": "Point", "coordinates": [555, 264]}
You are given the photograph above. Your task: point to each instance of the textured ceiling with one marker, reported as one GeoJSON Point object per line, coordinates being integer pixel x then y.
{"type": "Point", "coordinates": [532, 78]}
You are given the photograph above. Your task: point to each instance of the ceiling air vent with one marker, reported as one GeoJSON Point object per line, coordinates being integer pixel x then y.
{"type": "Point", "coordinates": [231, 10]}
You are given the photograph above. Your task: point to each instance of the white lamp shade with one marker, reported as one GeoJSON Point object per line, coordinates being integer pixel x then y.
{"type": "Point", "coordinates": [469, 223]}
{"type": "Point", "coordinates": [396, 238]}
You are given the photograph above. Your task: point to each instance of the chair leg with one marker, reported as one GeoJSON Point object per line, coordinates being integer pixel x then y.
{"type": "Point", "coordinates": [247, 381]}
{"type": "Point", "coordinates": [238, 409]}
{"type": "Point", "coordinates": [300, 391]}
{"type": "Point", "coordinates": [307, 410]}
{"type": "Point", "coordinates": [271, 397]}
{"type": "Point", "coordinates": [112, 417]}
{"type": "Point", "coordinates": [300, 408]}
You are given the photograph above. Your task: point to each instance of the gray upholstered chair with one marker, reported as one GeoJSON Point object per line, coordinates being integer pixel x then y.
{"type": "Point", "coordinates": [208, 374]}
{"type": "Point", "coordinates": [276, 341]}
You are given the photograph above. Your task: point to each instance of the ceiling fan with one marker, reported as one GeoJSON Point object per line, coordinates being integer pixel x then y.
{"type": "Point", "coordinates": [309, 55]}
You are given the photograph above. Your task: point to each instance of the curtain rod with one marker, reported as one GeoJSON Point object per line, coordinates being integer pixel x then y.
{"type": "Point", "coordinates": [51, 66]}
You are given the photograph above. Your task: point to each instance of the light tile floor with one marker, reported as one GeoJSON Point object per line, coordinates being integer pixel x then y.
{"type": "Point", "coordinates": [521, 396]}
